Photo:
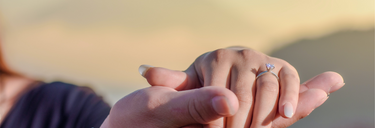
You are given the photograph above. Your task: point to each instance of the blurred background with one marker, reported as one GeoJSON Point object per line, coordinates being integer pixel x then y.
{"type": "Point", "coordinates": [101, 43]}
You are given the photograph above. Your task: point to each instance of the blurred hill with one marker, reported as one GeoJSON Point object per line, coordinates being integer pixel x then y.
{"type": "Point", "coordinates": [350, 53]}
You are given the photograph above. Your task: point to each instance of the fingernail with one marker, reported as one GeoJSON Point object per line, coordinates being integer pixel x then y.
{"type": "Point", "coordinates": [335, 87]}
{"type": "Point", "coordinates": [143, 69]}
{"type": "Point", "coordinates": [321, 101]}
{"type": "Point", "coordinates": [222, 106]}
{"type": "Point", "coordinates": [288, 110]}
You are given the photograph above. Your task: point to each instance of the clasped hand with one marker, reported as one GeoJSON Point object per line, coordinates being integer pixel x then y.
{"type": "Point", "coordinates": [221, 89]}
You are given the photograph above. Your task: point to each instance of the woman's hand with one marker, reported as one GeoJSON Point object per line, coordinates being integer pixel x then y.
{"type": "Point", "coordinates": [237, 68]}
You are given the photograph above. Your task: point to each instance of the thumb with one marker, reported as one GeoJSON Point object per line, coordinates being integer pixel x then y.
{"type": "Point", "coordinates": [158, 76]}
{"type": "Point", "coordinates": [197, 106]}
{"type": "Point", "coordinates": [164, 107]}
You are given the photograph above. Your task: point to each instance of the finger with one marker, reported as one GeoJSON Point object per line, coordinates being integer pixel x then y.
{"type": "Point", "coordinates": [327, 81]}
{"type": "Point", "coordinates": [202, 106]}
{"type": "Point", "coordinates": [216, 68]}
{"type": "Point", "coordinates": [157, 76]}
{"type": "Point", "coordinates": [308, 101]}
{"type": "Point", "coordinates": [165, 107]}
{"type": "Point", "coordinates": [313, 93]}
{"type": "Point", "coordinates": [266, 99]}
{"type": "Point", "coordinates": [242, 84]}
{"type": "Point", "coordinates": [289, 89]}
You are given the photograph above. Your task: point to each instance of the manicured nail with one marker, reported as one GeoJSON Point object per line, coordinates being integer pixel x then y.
{"type": "Point", "coordinates": [143, 69]}
{"type": "Point", "coordinates": [288, 110]}
{"type": "Point", "coordinates": [335, 87]}
{"type": "Point", "coordinates": [222, 105]}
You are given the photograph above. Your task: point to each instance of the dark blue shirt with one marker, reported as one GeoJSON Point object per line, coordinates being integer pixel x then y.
{"type": "Point", "coordinates": [57, 105]}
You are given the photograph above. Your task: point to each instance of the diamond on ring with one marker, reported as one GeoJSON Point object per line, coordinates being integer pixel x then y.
{"type": "Point", "coordinates": [270, 66]}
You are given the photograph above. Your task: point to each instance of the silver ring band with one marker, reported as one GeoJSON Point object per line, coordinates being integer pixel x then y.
{"type": "Point", "coordinates": [262, 73]}
{"type": "Point", "coordinates": [269, 68]}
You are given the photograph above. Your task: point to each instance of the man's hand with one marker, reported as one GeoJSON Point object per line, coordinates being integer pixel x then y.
{"type": "Point", "coordinates": [163, 107]}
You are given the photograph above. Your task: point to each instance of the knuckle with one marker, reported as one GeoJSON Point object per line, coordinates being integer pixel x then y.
{"type": "Point", "coordinates": [249, 55]}
{"type": "Point", "coordinates": [292, 77]}
{"type": "Point", "coordinates": [222, 55]}
{"type": "Point", "coordinates": [244, 97]}
{"type": "Point", "coordinates": [268, 85]}
{"type": "Point", "coordinates": [247, 52]}
{"type": "Point", "coordinates": [194, 111]}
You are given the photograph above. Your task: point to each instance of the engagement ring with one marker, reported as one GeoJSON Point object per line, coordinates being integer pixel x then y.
{"type": "Point", "coordinates": [269, 68]}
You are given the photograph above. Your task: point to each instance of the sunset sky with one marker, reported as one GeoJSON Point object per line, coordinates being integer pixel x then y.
{"type": "Point", "coordinates": [102, 43]}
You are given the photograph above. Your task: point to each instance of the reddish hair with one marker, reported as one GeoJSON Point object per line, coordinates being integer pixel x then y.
{"type": "Point", "coordinates": [4, 69]}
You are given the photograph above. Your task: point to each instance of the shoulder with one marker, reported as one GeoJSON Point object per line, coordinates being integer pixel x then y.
{"type": "Point", "coordinates": [56, 88]}
{"type": "Point", "coordinates": [60, 103]}
{"type": "Point", "coordinates": [62, 90]}
{"type": "Point", "coordinates": [70, 97]}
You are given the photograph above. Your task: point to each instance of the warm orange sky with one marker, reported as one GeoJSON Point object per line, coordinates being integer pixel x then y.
{"type": "Point", "coordinates": [102, 43]}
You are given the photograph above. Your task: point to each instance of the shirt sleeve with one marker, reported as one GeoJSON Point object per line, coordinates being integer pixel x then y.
{"type": "Point", "coordinates": [85, 109]}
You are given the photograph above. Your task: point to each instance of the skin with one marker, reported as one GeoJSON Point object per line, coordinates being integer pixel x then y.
{"type": "Point", "coordinates": [236, 68]}
{"type": "Point", "coordinates": [164, 107]}
{"type": "Point", "coordinates": [209, 67]}
{"type": "Point", "coordinates": [11, 88]}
